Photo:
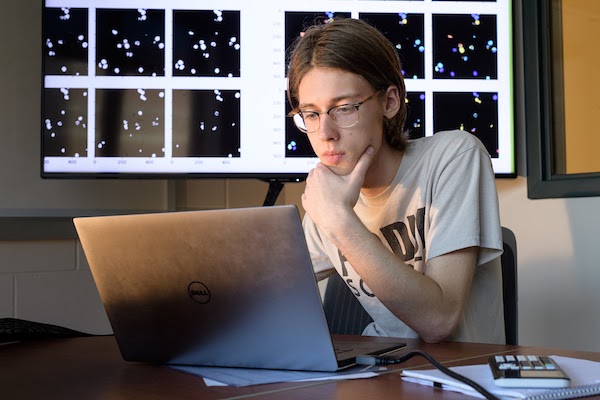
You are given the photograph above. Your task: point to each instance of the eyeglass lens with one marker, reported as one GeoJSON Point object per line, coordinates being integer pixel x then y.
{"type": "Point", "coordinates": [343, 116]}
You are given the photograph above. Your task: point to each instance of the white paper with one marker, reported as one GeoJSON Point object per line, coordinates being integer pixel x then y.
{"type": "Point", "coordinates": [581, 372]}
{"type": "Point", "coordinates": [220, 376]}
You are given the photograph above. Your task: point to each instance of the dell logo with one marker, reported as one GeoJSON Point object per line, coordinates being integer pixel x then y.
{"type": "Point", "coordinates": [199, 292]}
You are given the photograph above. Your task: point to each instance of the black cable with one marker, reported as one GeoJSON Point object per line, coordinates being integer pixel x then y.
{"type": "Point", "coordinates": [375, 360]}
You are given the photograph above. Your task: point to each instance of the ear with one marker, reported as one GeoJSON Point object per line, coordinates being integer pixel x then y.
{"type": "Point", "coordinates": [391, 101]}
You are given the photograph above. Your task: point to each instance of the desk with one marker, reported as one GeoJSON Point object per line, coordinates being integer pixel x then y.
{"type": "Point", "coordinates": [92, 368]}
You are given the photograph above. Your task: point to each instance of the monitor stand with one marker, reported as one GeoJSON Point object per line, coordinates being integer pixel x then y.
{"type": "Point", "coordinates": [275, 187]}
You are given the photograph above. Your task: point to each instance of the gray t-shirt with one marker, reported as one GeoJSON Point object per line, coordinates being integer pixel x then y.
{"type": "Point", "coordinates": [443, 198]}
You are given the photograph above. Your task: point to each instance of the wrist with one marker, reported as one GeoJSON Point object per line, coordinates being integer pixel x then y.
{"type": "Point", "coordinates": [342, 227]}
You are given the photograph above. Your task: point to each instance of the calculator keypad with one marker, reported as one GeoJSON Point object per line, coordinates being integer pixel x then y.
{"type": "Point", "coordinates": [527, 371]}
{"type": "Point", "coordinates": [525, 363]}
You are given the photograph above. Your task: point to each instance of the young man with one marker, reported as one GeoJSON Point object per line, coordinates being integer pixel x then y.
{"type": "Point", "coordinates": [411, 226]}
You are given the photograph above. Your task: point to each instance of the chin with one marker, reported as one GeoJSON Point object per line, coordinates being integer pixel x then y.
{"type": "Point", "coordinates": [340, 170]}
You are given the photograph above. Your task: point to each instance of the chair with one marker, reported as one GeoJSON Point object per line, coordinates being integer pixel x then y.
{"type": "Point", "coordinates": [346, 315]}
{"type": "Point", "coordinates": [509, 286]}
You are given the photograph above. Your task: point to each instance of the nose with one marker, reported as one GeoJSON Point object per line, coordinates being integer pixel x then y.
{"type": "Point", "coordinates": [327, 129]}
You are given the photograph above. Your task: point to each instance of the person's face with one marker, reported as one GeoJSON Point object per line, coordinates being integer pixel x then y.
{"type": "Point", "coordinates": [340, 148]}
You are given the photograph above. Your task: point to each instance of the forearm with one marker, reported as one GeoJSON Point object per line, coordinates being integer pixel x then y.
{"type": "Point", "coordinates": [432, 309]}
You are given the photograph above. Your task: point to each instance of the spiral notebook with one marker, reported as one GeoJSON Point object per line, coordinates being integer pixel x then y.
{"type": "Point", "coordinates": [584, 374]}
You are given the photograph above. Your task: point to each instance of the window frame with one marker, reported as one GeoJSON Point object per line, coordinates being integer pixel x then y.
{"type": "Point", "coordinates": [544, 107]}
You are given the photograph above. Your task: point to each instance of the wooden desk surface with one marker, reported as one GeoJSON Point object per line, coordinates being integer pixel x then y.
{"type": "Point", "coordinates": [92, 368]}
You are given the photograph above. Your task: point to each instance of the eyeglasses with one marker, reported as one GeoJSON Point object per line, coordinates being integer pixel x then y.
{"type": "Point", "coordinates": [344, 116]}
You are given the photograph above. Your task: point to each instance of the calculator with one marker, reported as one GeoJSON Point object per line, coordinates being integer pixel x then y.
{"type": "Point", "coordinates": [527, 371]}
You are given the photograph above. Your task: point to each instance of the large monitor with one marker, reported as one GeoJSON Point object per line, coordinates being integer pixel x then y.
{"type": "Point", "coordinates": [160, 89]}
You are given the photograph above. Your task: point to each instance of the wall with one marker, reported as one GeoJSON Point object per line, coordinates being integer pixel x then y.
{"type": "Point", "coordinates": [558, 267]}
{"type": "Point", "coordinates": [44, 277]}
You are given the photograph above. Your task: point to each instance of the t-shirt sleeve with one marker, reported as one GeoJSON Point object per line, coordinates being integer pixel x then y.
{"type": "Point", "coordinates": [320, 260]}
{"type": "Point", "coordinates": [464, 208]}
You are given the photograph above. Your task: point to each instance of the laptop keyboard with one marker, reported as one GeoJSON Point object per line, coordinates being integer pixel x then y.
{"type": "Point", "coordinates": [341, 349]}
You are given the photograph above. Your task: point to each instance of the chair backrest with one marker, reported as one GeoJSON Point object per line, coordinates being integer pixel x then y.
{"type": "Point", "coordinates": [509, 286]}
{"type": "Point", "coordinates": [345, 314]}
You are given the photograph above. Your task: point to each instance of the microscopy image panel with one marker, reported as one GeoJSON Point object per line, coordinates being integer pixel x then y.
{"type": "Point", "coordinates": [65, 41]}
{"type": "Point", "coordinates": [297, 22]}
{"type": "Point", "coordinates": [130, 123]}
{"type": "Point", "coordinates": [130, 42]}
{"type": "Point", "coordinates": [406, 32]}
{"type": "Point", "coordinates": [465, 46]}
{"type": "Point", "coordinates": [296, 142]}
{"type": "Point", "coordinates": [206, 43]}
{"type": "Point", "coordinates": [415, 118]}
{"type": "Point", "coordinates": [474, 112]}
{"type": "Point", "coordinates": [206, 123]}
{"type": "Point", "coordinates": [65, 122]}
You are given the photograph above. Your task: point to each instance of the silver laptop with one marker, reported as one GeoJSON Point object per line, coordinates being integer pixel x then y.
{"type": "Point", "coordinates": [231, 288]}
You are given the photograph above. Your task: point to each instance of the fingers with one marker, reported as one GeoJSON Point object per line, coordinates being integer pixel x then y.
{"type": "Point", "coordinates": [360, 170]}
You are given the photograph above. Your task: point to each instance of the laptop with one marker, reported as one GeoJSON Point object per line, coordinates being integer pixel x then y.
{"type": "Point", "coordinates": [227, 288]}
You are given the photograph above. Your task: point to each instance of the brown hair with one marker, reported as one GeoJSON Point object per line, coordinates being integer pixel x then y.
{"type": "Point", "coordinates": [355, 46]}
